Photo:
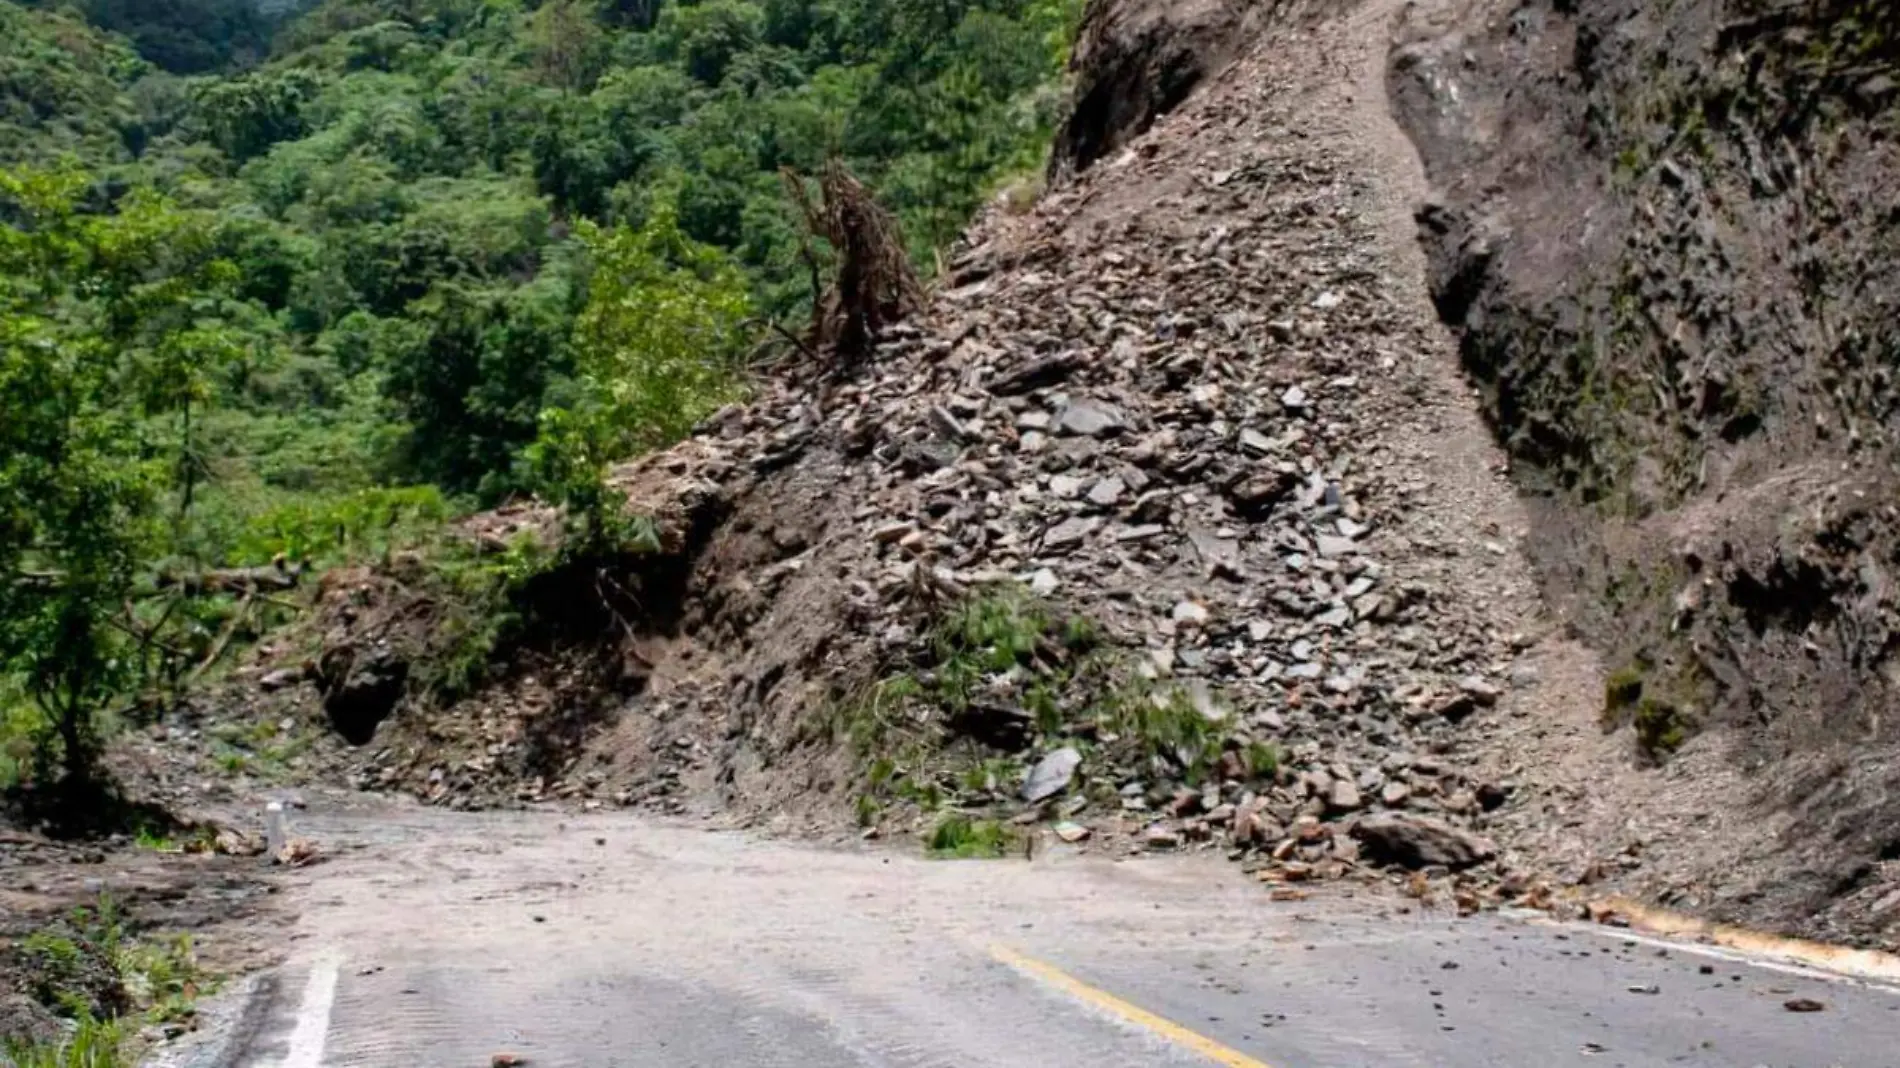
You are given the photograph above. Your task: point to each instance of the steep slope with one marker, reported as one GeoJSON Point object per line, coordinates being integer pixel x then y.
{"type": "Point", "coordinates": [1664, 233]}
{"type": "Point", "coordinates": [1197, 398]}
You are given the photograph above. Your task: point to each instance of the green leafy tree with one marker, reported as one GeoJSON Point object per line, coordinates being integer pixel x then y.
{"type": "Point", "coordinates": [471, 387]}
{"type": "Point", "coordinates": [658, 345]}
{"type": "Point", "coordinates": [107, 327]}
{"type": "Point", "coordinates": [706, 37]}
{"type": "Point", "coordinates": [568, 44]}
{"type": "Point", "coordinates": [245, 116]}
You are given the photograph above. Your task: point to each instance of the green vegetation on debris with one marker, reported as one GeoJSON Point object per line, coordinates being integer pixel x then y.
{"type": "Point", "coordinates": [303, 283]}
{"type": "Point", "coordinates": [963, 838]}
{"type": "Point", "coordinates": [92, 969]}
{"type": "Point", "coordinates": [92, 1044]}
{"type": "Point", "coordinates": [1000, 678]}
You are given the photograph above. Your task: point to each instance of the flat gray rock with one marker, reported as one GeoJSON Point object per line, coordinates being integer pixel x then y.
{"type": "Point", "coordinates": [1051, 775]}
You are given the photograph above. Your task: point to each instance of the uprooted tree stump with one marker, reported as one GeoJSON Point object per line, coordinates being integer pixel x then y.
{"type": "Point", "coordinates": [874, 284]}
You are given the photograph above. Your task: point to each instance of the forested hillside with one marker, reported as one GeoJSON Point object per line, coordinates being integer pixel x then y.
{"type": "Point", "coordinates": [300, 282]}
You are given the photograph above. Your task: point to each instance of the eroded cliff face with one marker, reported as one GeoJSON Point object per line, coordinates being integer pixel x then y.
{"type": "Point", "coordinates": [1136, 60]}
{"type": "Point", "coordinates": [1665, 233]}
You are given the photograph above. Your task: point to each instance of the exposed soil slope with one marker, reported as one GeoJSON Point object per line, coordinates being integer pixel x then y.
{"type": "Point", "coordinates": [1198, 396]}
{"type": "Point", "coordinates": [1665, 234]}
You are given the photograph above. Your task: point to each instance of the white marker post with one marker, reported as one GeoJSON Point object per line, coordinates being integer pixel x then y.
{"type": "Point", "coordinates": [274, 832]}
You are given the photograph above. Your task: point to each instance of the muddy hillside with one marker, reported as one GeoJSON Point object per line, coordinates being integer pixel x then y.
{"type": "Point", "coordinates": [1664, 235]}
{"type": "Point", "coordinates": [1202, 505]}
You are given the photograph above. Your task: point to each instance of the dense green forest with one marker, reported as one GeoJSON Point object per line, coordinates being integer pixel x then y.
{"type": "Point", "coordinates": [280, 282]}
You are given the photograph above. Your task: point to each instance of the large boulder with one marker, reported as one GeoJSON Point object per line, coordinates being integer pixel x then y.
{"type": "Point", "coordinates": [1418, 842]}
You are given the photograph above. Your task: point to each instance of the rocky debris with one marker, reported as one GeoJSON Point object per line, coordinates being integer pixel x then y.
{"type": "Point", "coordinates": [1418, 842]}
{"type": "Point", "coordinates": [1166, 402]}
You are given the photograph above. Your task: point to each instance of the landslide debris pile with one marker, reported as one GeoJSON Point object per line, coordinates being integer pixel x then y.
{"type": "Point", "coordinates": [1664, 233]}
{"type": "Point", "coordinates": [1181, 414]}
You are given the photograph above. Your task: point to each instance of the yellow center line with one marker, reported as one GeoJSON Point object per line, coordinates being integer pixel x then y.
{"type": "Point", "coordinates": [1133, 1014]}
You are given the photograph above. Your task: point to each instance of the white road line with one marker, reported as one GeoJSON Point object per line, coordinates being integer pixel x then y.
{"type": "Point", "coordinates": [1736, 957]}
{"type": "Point", "coordinates": [1764, 960]}
{"type": "Point", "coordinates": [305, 1049]}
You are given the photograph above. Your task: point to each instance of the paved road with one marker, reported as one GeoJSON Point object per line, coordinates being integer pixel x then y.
{"type": "Point", "coordinates": [438, 940]}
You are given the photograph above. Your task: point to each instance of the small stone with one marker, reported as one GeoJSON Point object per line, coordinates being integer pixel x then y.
{"type": "Point", "coordinates": [1161, 836]}
{"type": "Point", "coordinates": [1051, 775]}
{"type": "Point", "coordinates": [1480, 690]}
{"type": "Point", "coordinates": [1071, 832]}
{"type": "Point", "coordinates": [1803, 1005]}
{"type": "Point", "coordinates": [1334, 618]}
{"type": "Point", "coordinates": [1144, 532]}
{"type": "Point", "coordinates": [1394, 794]}
{"type": "Point", "coordinates": [1084, 419]}
{"type": "Point", "coordinates": [506, 1060]}
{"type": "Point", "coordinates": [1294, 399]}
{"type": "Point", "coordinates": [1255, 495]}
{"type": "Point", "coordinates": [1066, 487]}
{"type": "Point", "coordinates": [1255, 442]}
{"type": "Point", "coordinates": [1069, 533]}
{"type": "Point", "coordinates": [1331, 545]}
{"type": "Point", "coordinates": [1163, 661]}
{"type": "Point", "coordinates": [1344, 796]}
{"type": "Point", "coordinates": [1107, 492]}
{"type": "Point", "coordinates": [892, 532]}
{"type": "Point", "coordinates": [1044, 582]}
{"type": "Point", "coordinates": [282, 678]}
{"type": "Point", "coordinates": [1190, 613]}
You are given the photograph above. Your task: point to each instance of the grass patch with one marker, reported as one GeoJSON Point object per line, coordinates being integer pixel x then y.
{"type": "Point", "coordinates": [262, 748]}
{"type": "Point", "coordinates": [90, 968]}
{"type": "Point", "coordinates": [1004, 633]}
{"type": "Point", "coordinates": [961, 838]}
{"type": "Point", "coordinates": [93, 1044]}
{"type": "Point", "coordinates": [1166, 723]}
{"type": "Point", "coordinates": [1661, 726]}
{"type": "Point", "coordinates": [1621, 691]}
{"type": "Point", "coordinates": [20, 726]}
{"type": "Point", "coordinates": [871, 715]}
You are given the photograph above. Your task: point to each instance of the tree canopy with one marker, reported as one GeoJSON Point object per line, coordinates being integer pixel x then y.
{"type": "Point", "coordinates": [264, 263]}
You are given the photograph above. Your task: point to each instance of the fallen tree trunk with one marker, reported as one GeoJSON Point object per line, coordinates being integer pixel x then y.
{"type": "Point", "coordinates": [242, 580]}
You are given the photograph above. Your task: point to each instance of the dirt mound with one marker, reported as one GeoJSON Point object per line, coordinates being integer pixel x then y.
{"type": "Point", "coordinates": [1655, 231]}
